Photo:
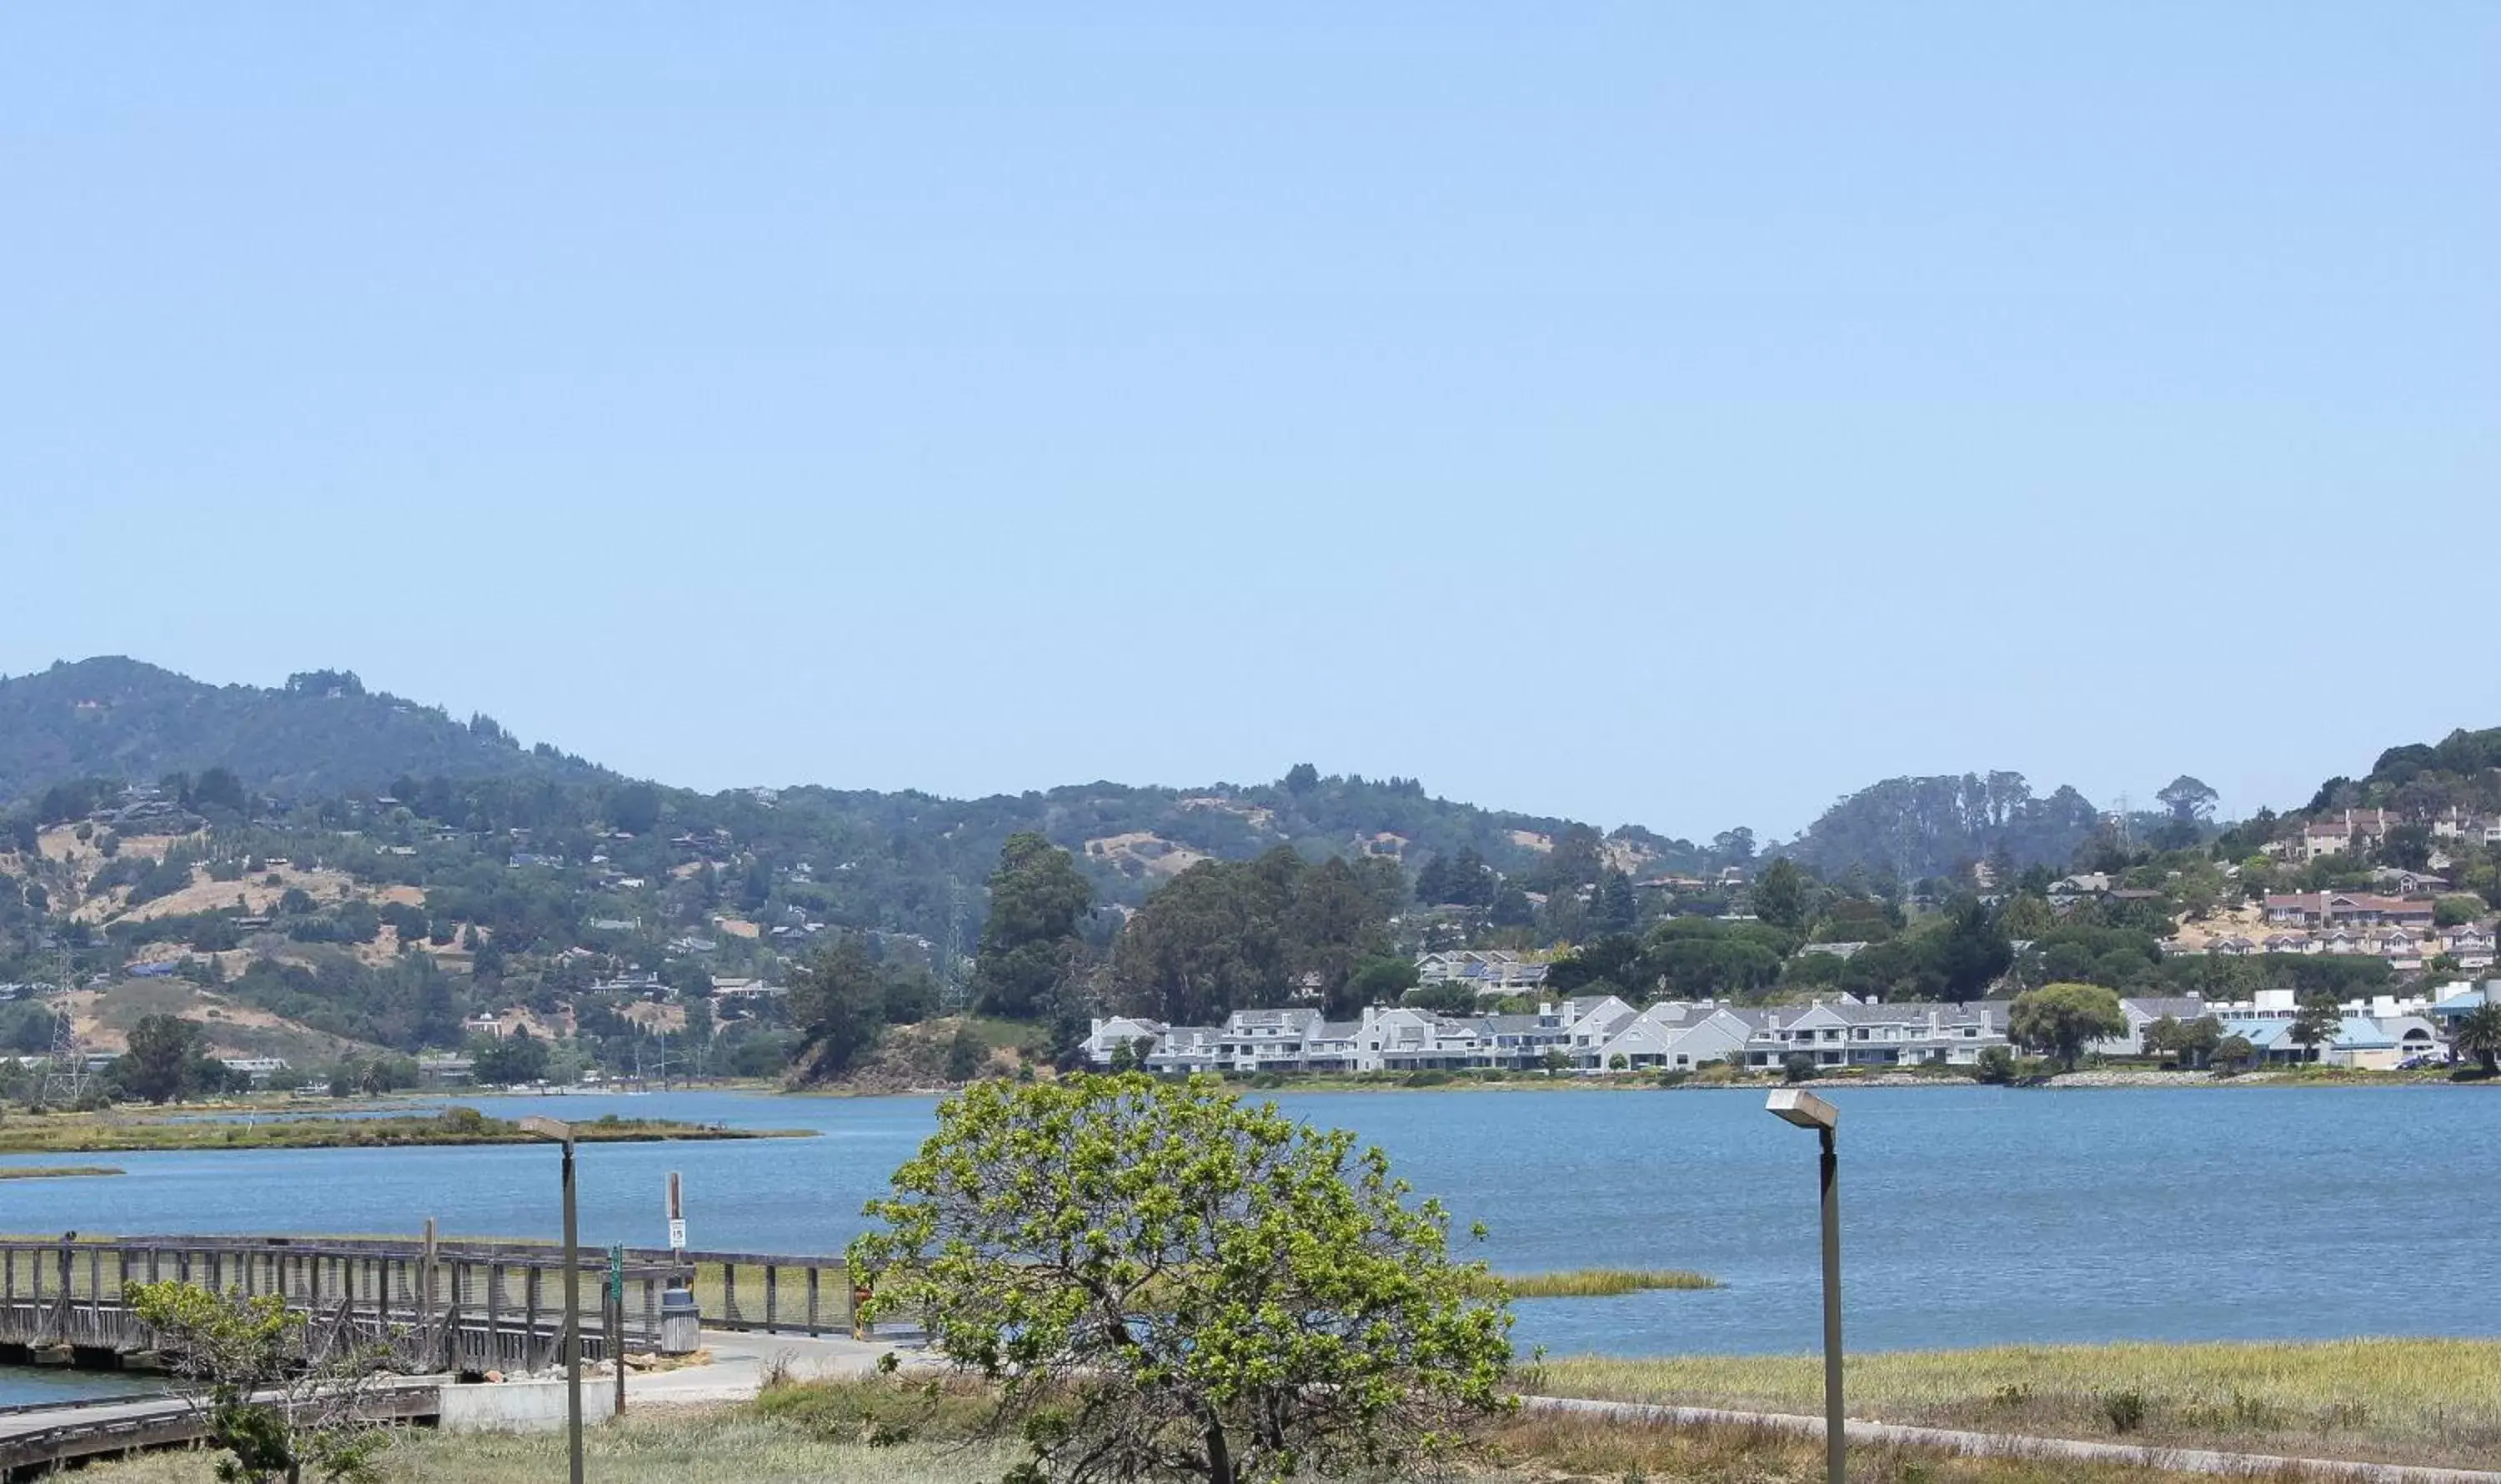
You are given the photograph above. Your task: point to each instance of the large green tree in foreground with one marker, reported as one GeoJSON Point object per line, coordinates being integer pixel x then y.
{"type": "Point", "coordinates": [1160, 1281]}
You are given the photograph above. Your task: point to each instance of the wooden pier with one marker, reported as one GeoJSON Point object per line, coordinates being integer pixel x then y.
{"type": "Point", "coordinates": [36, 1440]}
{"type": "Point", "coordinates": [459, 1306]}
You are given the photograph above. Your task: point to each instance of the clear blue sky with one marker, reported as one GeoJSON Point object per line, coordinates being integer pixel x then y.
{"type": "Point", "coordinates": [1674, 414]}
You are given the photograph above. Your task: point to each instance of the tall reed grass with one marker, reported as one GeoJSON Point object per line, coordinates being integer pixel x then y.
{"type": "Point", "coordinates": [2400, 1401]}
{"type": "Point", "coordinates": [1599, 1282]}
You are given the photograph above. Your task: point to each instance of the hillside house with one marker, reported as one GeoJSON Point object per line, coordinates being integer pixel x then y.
{"type": "Point", "coordinates": [2351, 909]}
{"type": "Point", "coordinates": [2346, 830]}
{"type": "Point", "coordinates": [2406, 883]}
{"type": "Point", "coordinates": [1492, 972]}
{"type": "Point", "coordinates": [2471, 946]}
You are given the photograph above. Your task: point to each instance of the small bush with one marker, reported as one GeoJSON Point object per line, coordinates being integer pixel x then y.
{"type": "Point", "coordinates": [2345, 1414]}
{"type": "Point", "coordinates": [1995, 1066]}
{"type": "Point", "coordinates": [1797, 1066]}
{"type": "Point", "coordinates": [2011, 1397]}
{"type": "Point", "coordinates": [465, 1121]}
{"type": "Point", "coordinates": [2124, 1409]}
{"type": "Point", "coordinates": [877, 1410]}
{"type": "Point", "coordinates": [1426, 1079]}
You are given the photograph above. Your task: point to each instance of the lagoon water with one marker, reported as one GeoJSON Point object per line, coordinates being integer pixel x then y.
{"type": "Point", "coordinates": [1970, 1215]}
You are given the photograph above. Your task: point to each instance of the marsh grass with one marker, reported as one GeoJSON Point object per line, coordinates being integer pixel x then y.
{"type": "Point", "coordinates": [1599, 1282]}
{"type": "Point", "coordinates": [658, 1447]}
{"type": "Point", "coordinates": [96, 1133]}
{"type": "Point", "coordinates": [54, 1171]}
{"type": "Point", "coordinates": [784, 1440]}
{"type": "Point", "coordinates": [882, 1410]}
{"type": "Point", "coordinates": [1537, 1446]}
{"type": "Point", "coordinates": [2396, 1400]}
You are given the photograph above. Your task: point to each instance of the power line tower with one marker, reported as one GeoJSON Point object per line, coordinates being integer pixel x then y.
{"type": "Point", "coordinates": [66, 1078]}
{"type": "Point", "coordinates": [952, 990]}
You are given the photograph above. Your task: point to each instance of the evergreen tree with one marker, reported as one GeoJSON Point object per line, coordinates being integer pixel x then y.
{"type": "Point", "coordinates": [1036, 899]}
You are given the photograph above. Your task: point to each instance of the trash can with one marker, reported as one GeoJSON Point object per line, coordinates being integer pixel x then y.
{"type": "Point", "coordinates": [680, 1323]}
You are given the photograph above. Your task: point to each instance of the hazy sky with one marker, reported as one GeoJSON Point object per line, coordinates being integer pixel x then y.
{"type": "Point", "coordinates": [1674, 414]}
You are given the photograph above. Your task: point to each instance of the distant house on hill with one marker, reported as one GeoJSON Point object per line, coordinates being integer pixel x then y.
{"type": "Point", "coordinates": [2364, 909]}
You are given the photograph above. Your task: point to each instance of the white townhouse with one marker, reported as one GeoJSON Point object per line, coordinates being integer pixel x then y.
{"type": "Point", "coordinates": [1386, 1038]}
{"type": "Point", "coordinates": [1675, 1036]}
{"type": "Point", "coordinates": [1593, 1022]}
{"type": "Point", "coordinates": [1108, 1035]}
{"type": "Point", "coordinates": [2141, 1012]}
{"type": "Point", "coordinates": [1850, 1034]}
{"type": "Point", "coordinates": [1183, 1049]}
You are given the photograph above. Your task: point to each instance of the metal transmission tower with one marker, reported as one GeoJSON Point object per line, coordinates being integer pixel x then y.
{"type": "Point", "coordinates": [66, 1078]}
{"type": "Point", "coordinates": [952, 990]}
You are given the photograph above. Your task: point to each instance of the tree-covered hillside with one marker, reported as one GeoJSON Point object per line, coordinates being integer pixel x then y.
{"type": "Point", "coordinates": [322, 733]}
{"type": "Point", "coordinates": [324, 743]}
{"type": "Point", "coordinates": [1918, 827]}
{"type": "Point", "coordinates": [2461, 771]}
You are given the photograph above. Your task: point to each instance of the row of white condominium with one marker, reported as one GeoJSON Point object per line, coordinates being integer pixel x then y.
{"type": "Point", "coordinates": [1603, 1033]}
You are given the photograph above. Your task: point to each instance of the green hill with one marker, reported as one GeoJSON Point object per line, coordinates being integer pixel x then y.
{"type": "Point", "coordinates": [323, 732]}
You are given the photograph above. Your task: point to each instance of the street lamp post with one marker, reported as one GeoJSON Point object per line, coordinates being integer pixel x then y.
{"type": "Point", "coordinates": [1803, 1108]}
{"type": "Point", "coordinates": [562, 1132]}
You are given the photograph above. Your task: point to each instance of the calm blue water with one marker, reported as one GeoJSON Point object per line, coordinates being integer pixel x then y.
{"type": "Point", "coordinates": [1970, 1215]}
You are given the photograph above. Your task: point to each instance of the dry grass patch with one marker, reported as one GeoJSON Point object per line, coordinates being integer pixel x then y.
{"type": "Point", "coordinates": [659, 1447]}
{"type": "Point", "coordinates": [1541, 1446]}
{"type": "Point", "coordinates": [885, 1430]}
{"type": "Point", "coordinates": [2396, 1400]}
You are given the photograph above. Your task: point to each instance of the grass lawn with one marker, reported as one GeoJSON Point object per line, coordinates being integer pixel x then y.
{"type": "Point", "coordinates": [2397, 1401]}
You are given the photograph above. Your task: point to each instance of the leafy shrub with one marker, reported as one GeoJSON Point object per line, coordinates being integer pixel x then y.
{"type": "Point", "coordinates": [1995, 1066]}
{"type": "Point", "coordinates": [2124, 1409]}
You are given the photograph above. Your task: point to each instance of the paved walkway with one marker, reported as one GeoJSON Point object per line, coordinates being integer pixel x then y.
{"type": "Point", "coordinates": [740, 1360]}
{"type": "Point", "coordinates": [2010, 1445]}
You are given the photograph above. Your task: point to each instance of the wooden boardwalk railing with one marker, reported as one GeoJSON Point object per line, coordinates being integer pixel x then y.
{"type": "Point", "coordinates": [38, 1440]}
{"type": "Point", "coordinates": [448, 1304]}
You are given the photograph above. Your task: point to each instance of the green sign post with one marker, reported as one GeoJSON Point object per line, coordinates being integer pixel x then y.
{"type": "Point", "coordinates": [616, 1319]}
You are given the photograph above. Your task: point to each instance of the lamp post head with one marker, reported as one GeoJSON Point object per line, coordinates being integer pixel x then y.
{"type": "Point", "coordinates": [1803, 1108]}
{"type": "Point", "coordinates": [554, 1128]}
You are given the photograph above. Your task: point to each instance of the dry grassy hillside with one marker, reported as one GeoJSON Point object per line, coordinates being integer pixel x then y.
{"type": "Point", "coordinates": [105, 1017]}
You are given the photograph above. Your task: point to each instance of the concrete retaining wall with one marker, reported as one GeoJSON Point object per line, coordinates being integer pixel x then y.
{"type": "Point", "coordinates": [523, 1406]}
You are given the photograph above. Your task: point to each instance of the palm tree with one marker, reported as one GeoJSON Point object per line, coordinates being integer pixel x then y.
{"type": "Point", "coordinates": [2478, 1033]}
